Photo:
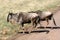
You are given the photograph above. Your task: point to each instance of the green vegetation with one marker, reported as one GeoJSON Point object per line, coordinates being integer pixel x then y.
{"type": "Point", "coordinates": [17, 6]}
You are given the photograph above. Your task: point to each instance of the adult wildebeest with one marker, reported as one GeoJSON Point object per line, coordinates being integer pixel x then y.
{"type": "Point", "coordinates": [44, 15]}
{"type": "Point", "coordinates": [23, 18]}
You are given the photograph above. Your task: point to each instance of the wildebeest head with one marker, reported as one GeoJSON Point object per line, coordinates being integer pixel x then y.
{"type": "Point", "coordinates": [12, 17]}
{"type": "Point", "coordinates": [9, 16]}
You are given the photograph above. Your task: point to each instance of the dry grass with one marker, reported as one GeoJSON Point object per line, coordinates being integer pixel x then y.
{"type": "Point", "coordinates": [7, 6]}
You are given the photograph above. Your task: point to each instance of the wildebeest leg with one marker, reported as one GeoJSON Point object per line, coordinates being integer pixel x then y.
{"type": "Point", "coordinates": [35, 25]}
{"type": "Point", "coordinates": [54, 21]}
{"type": "Point", "coordinates": [47, 22]}
{"type": "Point", "coordinates": [33, 22]}
{"type": "Point", "coordinates": [40, 23]}
{"type": "Point", "coordinates": [37, 21]}
{"type": "Point", "coordinates": [22, 27]}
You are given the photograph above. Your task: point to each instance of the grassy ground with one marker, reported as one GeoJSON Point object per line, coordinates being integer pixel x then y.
{"type": "Point", "coordinates": [17, 6]}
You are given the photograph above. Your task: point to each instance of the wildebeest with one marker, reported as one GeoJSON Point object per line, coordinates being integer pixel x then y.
{"type": "Point", "coordinates": [44, 15]}
{"type": "Point", "coordinates": [23, 18]}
